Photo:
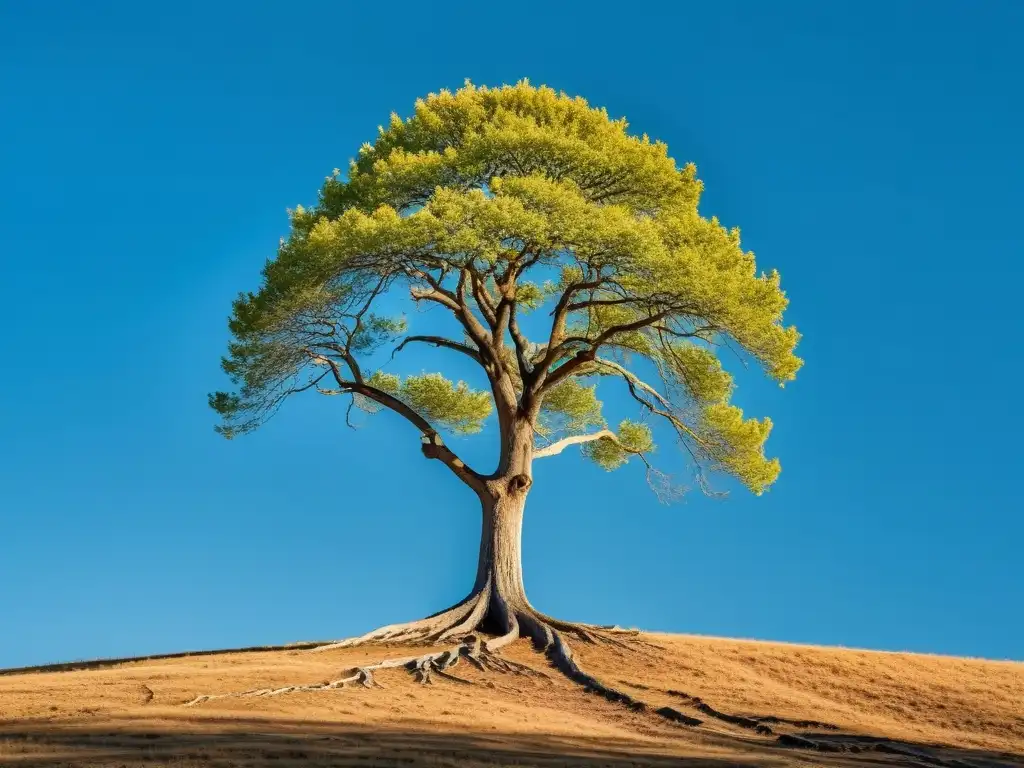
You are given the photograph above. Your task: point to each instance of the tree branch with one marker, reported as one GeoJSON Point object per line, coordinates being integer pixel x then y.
{"type": "Point", "coordinates": [555, 338]}
{"type": "Point", "coordinates": [440, 341]}
{"type": "Point", "coordinates": [465, 315]}
{"type": "Point", "coordinates": [489, 356]}
{"type": "Point", "coordinates": [312, 383]}
{"type": "Point", "coordinates": [432, 294]}
{"type": "Point", "coordinates": [578, 305]}
{"type": "Point", "coordinates": [483, 300]}
{"type": "Point", "coordinates": [456, 301]}
{"type": "Point", "coordinates": [318, 359]}
{"type": "Point", "coordinates": [635, 383]}
{"type": "Point", "coordinates": [501, 384]}
{"type": "Point", "coordinates": [345, 354]}
{"type": "Point", "coordinates": [433, 445]}
{"type": "Point", "coordinates": [588, 355]}
{"type": "Point", "coordinates": [634, 379]}
{"type": "Point", "coordinates": [358, 325]}
{"type": "Point", "coordinates": [521, 344]}
{"type": "Point", "coordinates": [556, 448]}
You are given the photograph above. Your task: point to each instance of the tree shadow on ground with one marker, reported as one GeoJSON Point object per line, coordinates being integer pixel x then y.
{"type": "Point", "coordinates": [232, 742]}
{"type": "Point", "coordinates": [900, 752]}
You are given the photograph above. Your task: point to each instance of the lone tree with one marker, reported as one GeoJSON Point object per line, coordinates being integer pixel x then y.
{"type": "Point", "coordinates": [493, 204]}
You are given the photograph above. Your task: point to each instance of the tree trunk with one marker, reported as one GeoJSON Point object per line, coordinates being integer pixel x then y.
{"type": "Point", "coordinates": [497, 605]}
{"type": "Point", "coordinates": [500, 564]}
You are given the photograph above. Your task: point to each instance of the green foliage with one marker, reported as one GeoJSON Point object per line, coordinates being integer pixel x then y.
{"type": "Point", "coordinates": [632, 438]}
{"type": "Point", "coordinates": [453, 405]}
{"type": "Point", "coordinates": [606, 453]}
{"type": "Point", "coordinates": [530, 295]}
{"type": "Point", "coordinates": [698, 370]}
{"type": "Point", "coordinates": [439, 400]}
{"type": "Point", "coordinates": [376, 331]}
{"type": "Point", "coordinates": [571, 406]}
{"type": "Point", "coordinates": [737, 445]}
{"type": "Point", "coordinates": [635, 437]}
{"type": "Point", "coordinates": [386, 382]}
{"type": "Point", "coordinates": [457, 203]}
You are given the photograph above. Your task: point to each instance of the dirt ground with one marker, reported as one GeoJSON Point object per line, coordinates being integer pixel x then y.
{"type": "Point", "coordinates": [757, 703]}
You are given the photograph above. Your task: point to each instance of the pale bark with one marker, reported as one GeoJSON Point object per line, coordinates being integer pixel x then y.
{"type": "Point", "coordinates": [556, 448]}
{"type": "Point", "coordinates": [500, 564]}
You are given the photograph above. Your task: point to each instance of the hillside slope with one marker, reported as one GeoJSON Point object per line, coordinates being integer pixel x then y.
{"type": "Point", "coordinates": [758, 703]}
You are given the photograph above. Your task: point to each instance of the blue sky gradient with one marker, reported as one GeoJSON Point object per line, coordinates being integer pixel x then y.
{"type": "Point", "coordinates": [870, 151]}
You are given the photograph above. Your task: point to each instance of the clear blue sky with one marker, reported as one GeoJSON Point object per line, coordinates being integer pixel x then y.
{"type": "Point", "coordinates": [870, 151]}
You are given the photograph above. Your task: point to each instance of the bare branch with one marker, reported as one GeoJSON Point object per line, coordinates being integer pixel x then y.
{"type": "Point", "coordinates": [587, 355]}
{"type": "Point", "coordinates": [440, 341]}
{"type": "Point", "coordinates": [556, 336]}
{"type": "Point", "coordinates": [634, 379]}
{"type": "Point", "coordinates": [429, 279]}
{"type": "Point", "coordinates": [432, 294]}
{"type": "Point", "coordinates": [659, 481]}
{"type": "Point", "coordinates": [521, 343]}
{"type": "Point", "coordinates": [636, 385]}
{"type": "Point", "coordinates": [521, 265]}
{"type": "Point", "coordinates": [310, 385]}
{"type": "Point", "coordinates": [358, 325]}
{"type": "Point", "coordinates": [335, 369]}
{"type": "Point", "coordinates": [489, 358]}
{"type": "Point", "coordinates": [483, 300]}
{"type": "Point", "coordinates": [501, 384]}
{"type": "Point", "coordinates": [342, 352]}
{"type": "Point", "coordinates": [556, 448]}
{"type": "Point", "coordinates": [473, 326]}
{"type": "Point", "coordinates": [577, 306]}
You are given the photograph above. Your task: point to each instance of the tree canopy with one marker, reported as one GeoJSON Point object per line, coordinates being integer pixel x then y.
{"type": "Point", "coordinates": [495, 203]}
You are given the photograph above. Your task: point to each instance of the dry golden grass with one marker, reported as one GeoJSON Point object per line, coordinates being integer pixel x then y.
{"type": "Point", "coordinates": [922, 710]}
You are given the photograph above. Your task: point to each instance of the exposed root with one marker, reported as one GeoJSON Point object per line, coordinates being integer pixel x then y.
{"type": "Point", "coordinates": [496, 644]}
{"type": "Point", "coordinates": [913, 754]}
{"type": "Point", "coordinates": [595, 634]}
{"type": "Point", "coordinates": [676, 716]}
{"type": "Point", "coordinates": [473, 619]}
{"type": "Point", "coordinates": [798, 723]}
{"type": "Point", "coordinates": [362, 675]}
{"type": "Point", "coordinates": [759, 723]}
{"type": "Point", "coordinates": [750, 723]}
{"type": "Point", "coordinates": [548, 636]}
{"type": "Point", "coordinates": [451, 622]}
{"type": "Point", "coordinates": [799, 742]}
{"type": "Point", "coordinates": [424, 668]}
{"type": "Point", "coordinates": [467, 616]}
